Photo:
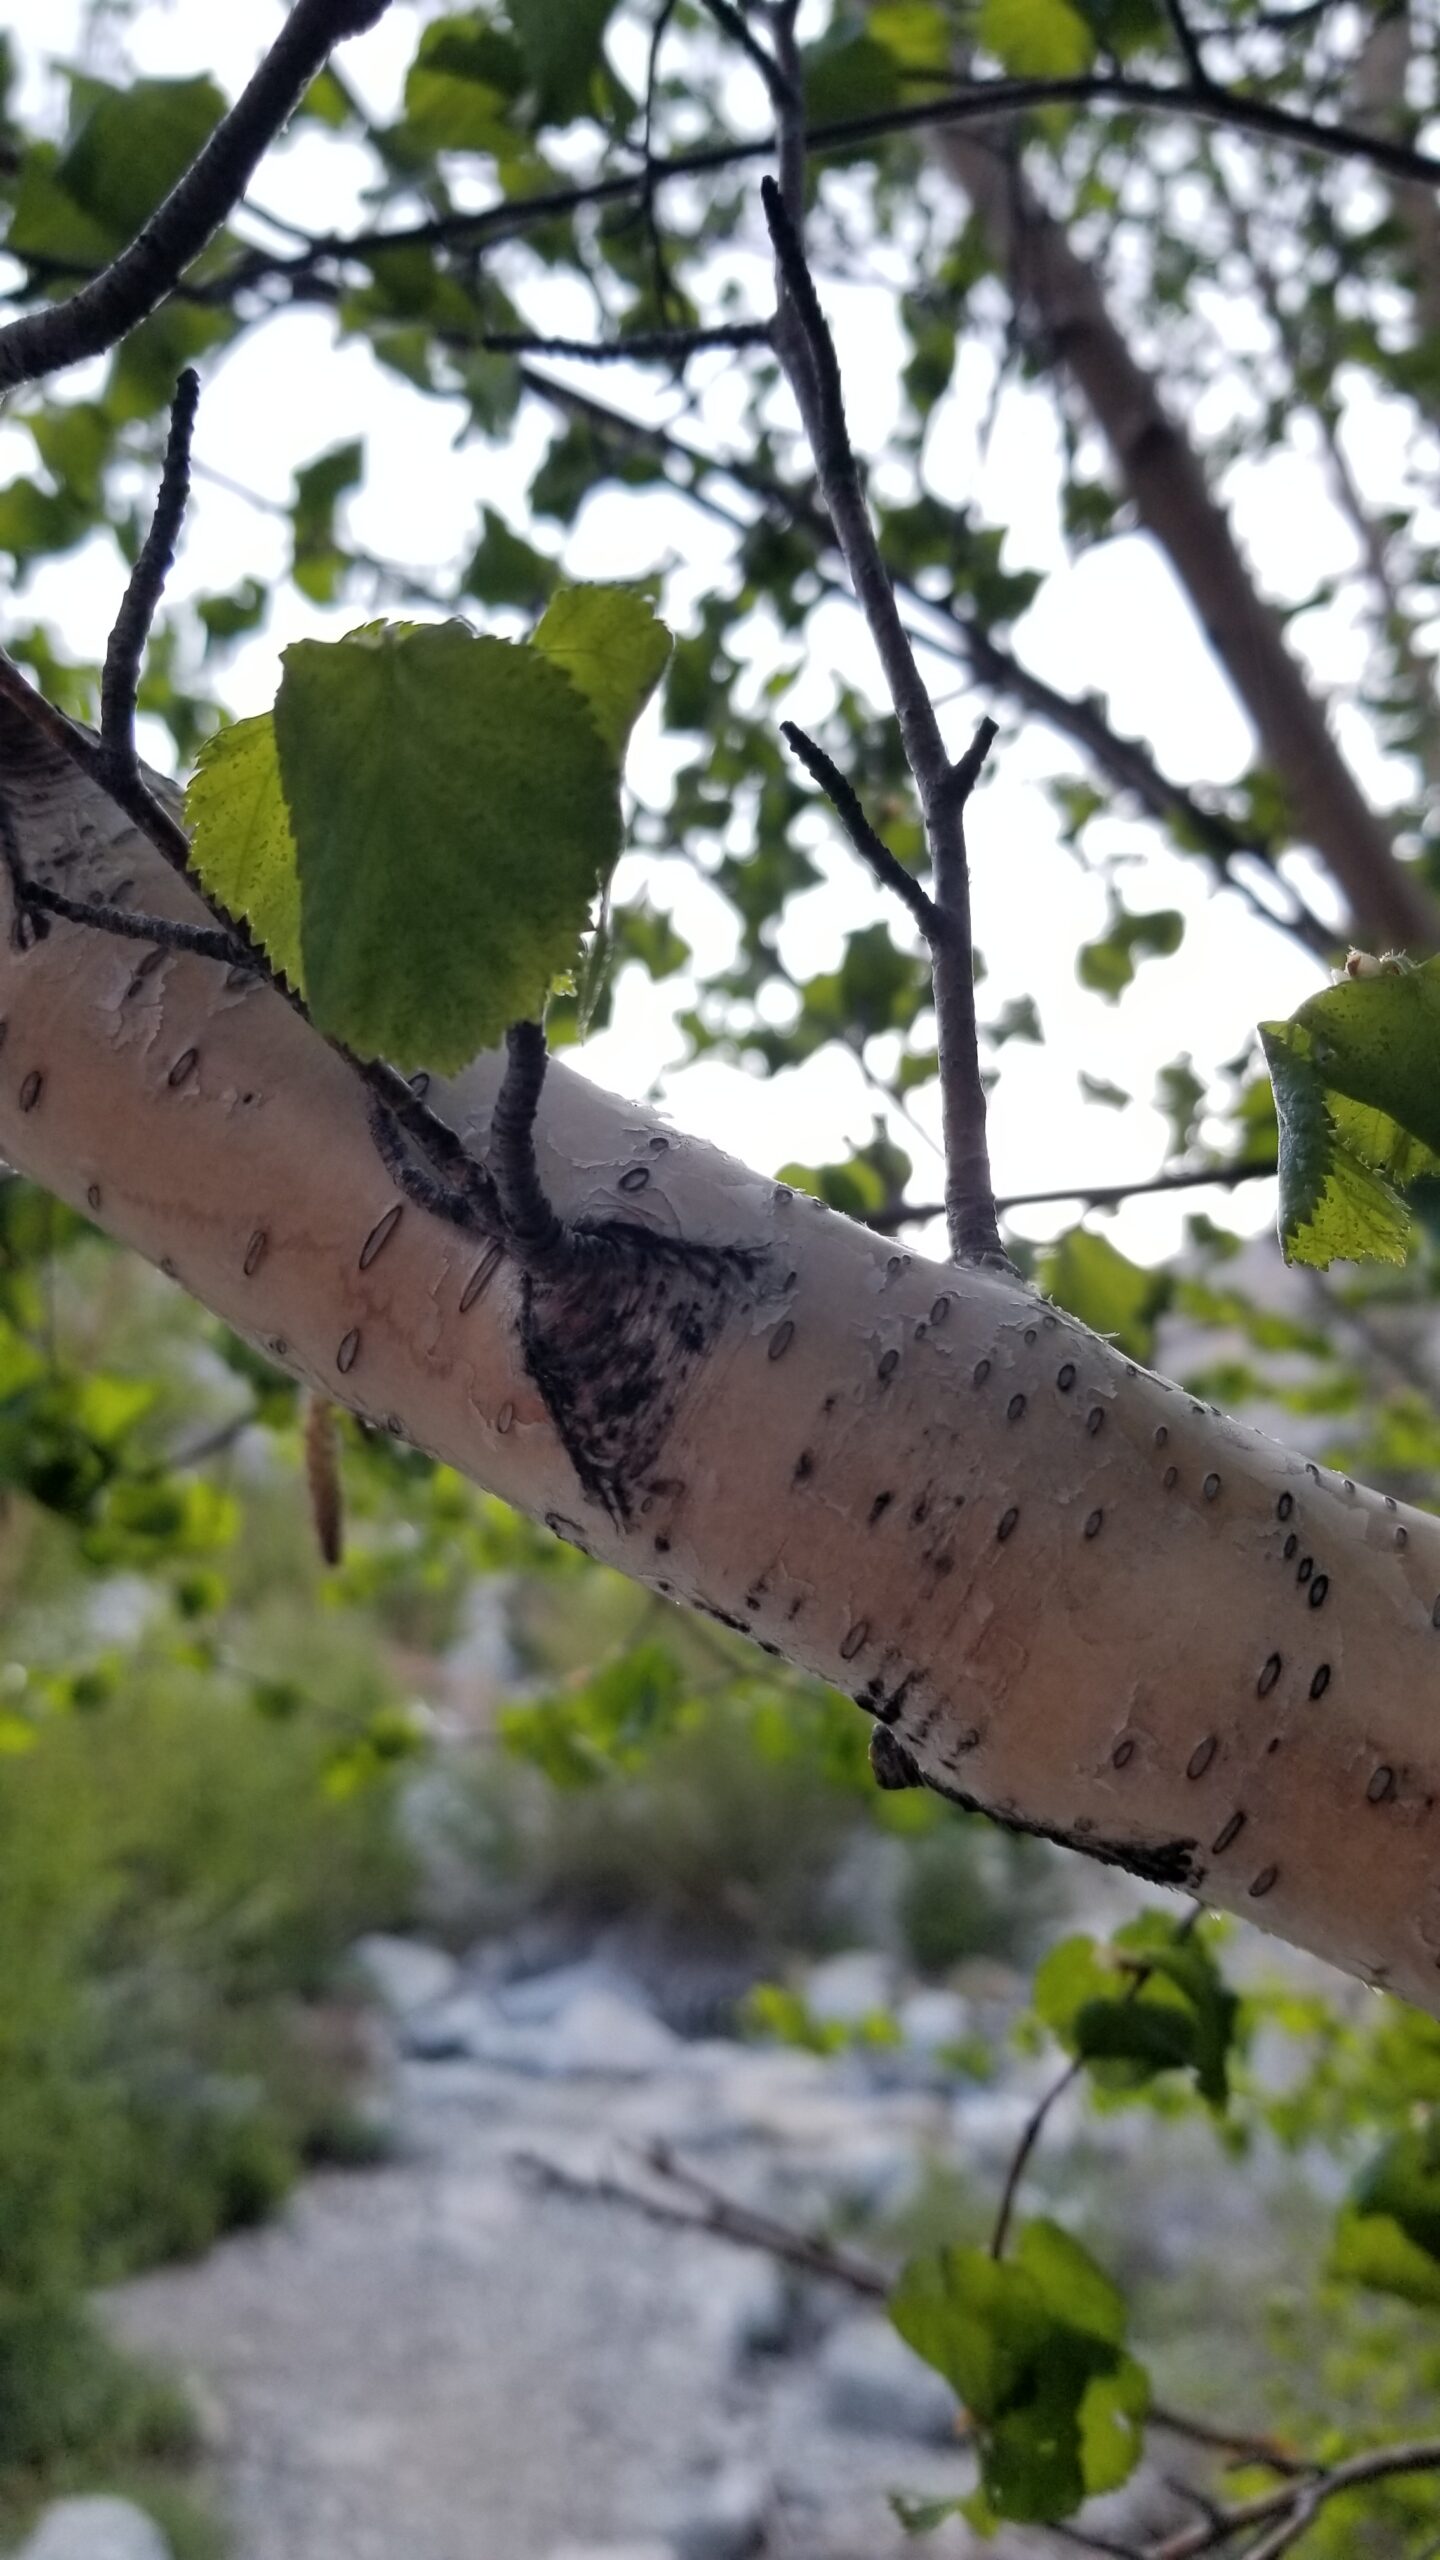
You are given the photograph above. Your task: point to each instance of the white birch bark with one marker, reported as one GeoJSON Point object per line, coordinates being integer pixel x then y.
{"type": "Point", "coordinates": [1069, 1592]}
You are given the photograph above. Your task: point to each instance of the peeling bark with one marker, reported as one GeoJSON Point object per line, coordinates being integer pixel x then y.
{"type": "Point", "coordinates": [1066, 1592]}
{"type": "Point", "coordinates": [1158, 467]}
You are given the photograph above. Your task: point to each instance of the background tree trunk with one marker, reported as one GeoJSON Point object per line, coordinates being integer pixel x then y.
{"type": "Point", "coordinates": [1162, 474]}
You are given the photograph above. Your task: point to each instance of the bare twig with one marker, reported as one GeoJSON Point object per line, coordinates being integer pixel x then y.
{"type": "Point", "coordinates": [167, 933]}
{"type": "Point", "coordinates": [1282, 2506]}
{"type": "Point", "coordinates": [1235, 2442]}
{"type": "Point", "coordinates": [872, 848]}
{"type": "Point", "coordinates": [125, 650]}
{"type": "Point", "coordinates": [731, 22]}
{"type": "Point", "coordinates": [969, 1191]}
{"type": "Point", "coordinates": [1094, 1195]}
{"type": "Point", "coordinates": [807, 351]}
{"type": "Point", "coordinates": [113, 302]}
{"type": "Point", "coordinates": [672, 346]}
{"type": "Point", "coordinates": [1040, 2114]}
{"type": "Point", "coordinates": [1189, 44]}
{"type": "Point", "coordinates": [540, 1237]}
{"type": "Point", "coordinates": [982, 101]}
{"type": "Point", "coordinates": [713, 2212]}
{"type": "Point", "coordinates": [1035, 2124]}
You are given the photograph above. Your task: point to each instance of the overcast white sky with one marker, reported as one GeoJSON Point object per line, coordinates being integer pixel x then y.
{"type": "Point", "coordinates": [1114, 624]}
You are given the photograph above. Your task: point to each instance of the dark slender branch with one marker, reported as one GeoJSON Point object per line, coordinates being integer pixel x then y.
{"type": "Point", "coordinates": [983, 101]}
{"type": "Point", "coordinates": [1293, 2498]}
{"type": "Point", "coordinates": [1234, 2441]}
{"type": "Point", "coordinates": [1189, 44]}
{"type": "Point", "coordinates": [540, 1237]}
{"type": "Point", "coordinates": [807, 352]}
{"type": "Point", "coordinates": [1045, 2105]}
{"type": "Point", "coordinates": [970, 1216]}
{"type": "Point", "coordinates": [106, 309]}
{"type": "Point", "coordinates": [166, 933]}
{"type": "Point", "coordinates": [1095, 1195]}
{"type": "Point", "coordinates": [670, 346]}
{"type": "Point", "coordinates": [1035, 2124]}
{"type": "Point", "coordinates": [872, 848]}
{"type": "Point", "coordinates": [666, 298]}
{"type": "Point", "coordinates": [125, 649]}
{"type": "Point", "coordinates": [728, 18]}
{"type": "Point", "coordinates": [713, 2212]}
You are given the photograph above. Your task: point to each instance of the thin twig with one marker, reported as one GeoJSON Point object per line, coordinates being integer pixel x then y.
{"type": "Point", "coordinates": [671, 346]}
{"type": "Point", "coordinates": [1040, 2113]}
{"type": "Point", "coordinates": [1229, 2440]}
{"type": "Point", "coordinates": [1035, 2124]}
{"type": "Point", "coordinates": [978, 102]}
{"type": "Point", "coordinates": [871, 847]}
{"type": "Point", "coordinates": [970, 1215]}
{"type": "Point", "coordinates": [1189, 44]}
{"type": "Point", "coordinates": [125, 649]}
{"type": "Point", "coordinates": [729, 20]}
{"type": "Point", "coordinates": [714, 2213]}
{"type": "Point", "coordinates": [807, 352]}
{"type": "Point", "coordinates": [539, 1235]}
{"type": "Point", "coordinates": [1382, 2462]}
{"type": "Point", "coordinates": [1094, 1195]}
{"type": "Point", "coordinates": [116, 300]}
{"type": "Point", "coordinates": [166, 933]}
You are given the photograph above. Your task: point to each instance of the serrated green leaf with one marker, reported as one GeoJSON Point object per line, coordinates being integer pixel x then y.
{"type": "Point", "coordinates": [241, 842]}
{"type": "Point", "coordinates": [613, 646]}
{"type": "Point", "coordinates": [454, 812]}
{"type": "Point", "coordinates": [1337, 1196]}
{"type": "Point", "coordinates": [1036, 39]}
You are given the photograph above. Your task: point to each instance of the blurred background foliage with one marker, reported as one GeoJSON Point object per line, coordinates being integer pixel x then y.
{"type": "Point", "coordinates": [219, 1762]}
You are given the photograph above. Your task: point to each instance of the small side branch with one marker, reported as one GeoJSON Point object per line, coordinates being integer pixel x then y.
{"type": "Point", "coordinates": [872, 848]}
{"type": "Point", "coordinates": [807, 352]}
{"type": "Point", "coordinates": [125, 649]}
{"type": "Point", "coordinates": [116, 300]}
{"type": "Point", "coordinates": [167, 933]}
{"type": "Point", "coordinates": [542, 1241]}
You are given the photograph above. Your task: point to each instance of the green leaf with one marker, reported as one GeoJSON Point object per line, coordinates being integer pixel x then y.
{"type": "Point", "coordinates": [1356, 1074]}
{"type": "Point", "coordinates": [1107, 965]}
{"type": "Point", "coordinates": [130, 145]}
{"type": "Point", "coordinates": [455, 811]}
{"type": "Point", "coordinates": [465, 75]}
{"type": "Point", "coordinates": [506, 569]}
{"type": "Point", "coordinates": [319, 562]}
{"type": "Point", "coordinates": [241, 841]}
{"type": "Point", "coordinates": [613, 647]}
{"type": "Point", "coordinates": [1034, 2348]}
{"type": "Point", "coordinates": [1374, 2250]}
{"type": "Point", "coordinates": [561, 41]}
{"type": "Point", "coordinates": [1112, 1295]}
{"type": "Point", "coordinates": [1180, 2016]}
{"type": "Point", "coordinates": [1404, 2181]}
{"type": "Point", "coordinates": [1036, 39]}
